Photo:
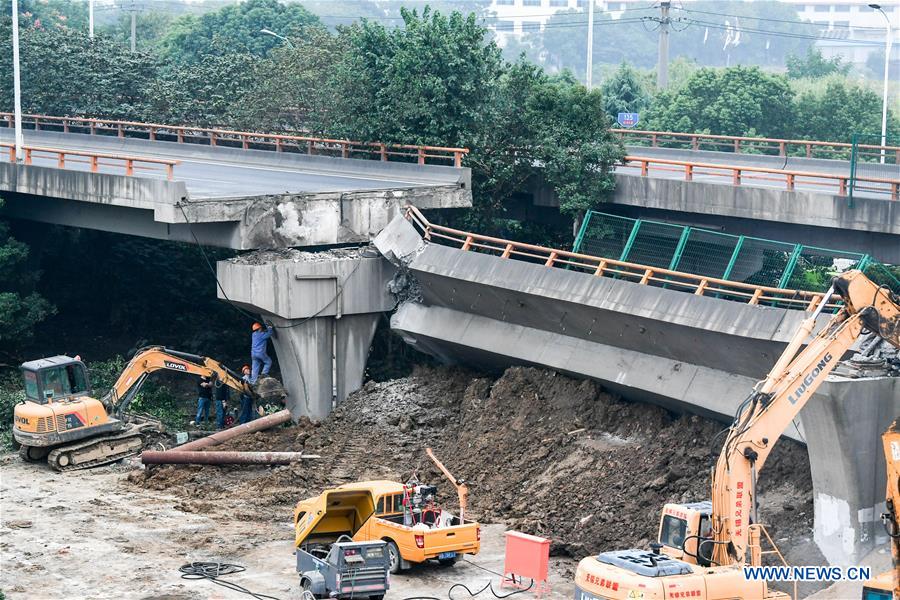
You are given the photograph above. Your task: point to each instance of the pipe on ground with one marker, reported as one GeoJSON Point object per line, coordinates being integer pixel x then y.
{"type": "Point", "coordinates": [179, 457]}
{"type": "Point", "coordinates": [221, 436]}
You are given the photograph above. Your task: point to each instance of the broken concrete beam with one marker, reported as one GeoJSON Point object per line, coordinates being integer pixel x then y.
{"type": "Point", "coordinates": [178, 457]}
{"type": "Point", "coordinates": [217, 438]}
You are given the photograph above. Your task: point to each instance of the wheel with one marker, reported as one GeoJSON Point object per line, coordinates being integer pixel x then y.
{"type": "Point", "coordinates": [306, 586]}
{"type": "Point", "coordinates": [396, 560]}
{"type": "Point", "coordinates": [448, 562]}
{"type": "Point", "coordinates": [32, 453]}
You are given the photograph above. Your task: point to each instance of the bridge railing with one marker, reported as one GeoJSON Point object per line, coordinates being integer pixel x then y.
{"type": "Point", "coordinates": [65, 158]}
{"type": "Point", "coordinates": [753, 145]}
{"type": "Point", "coordinates": [607, 267]}
{"type": "Point", "coordinates": [244, 139]}
{"type": "Point", "coordinates": [738, 174]}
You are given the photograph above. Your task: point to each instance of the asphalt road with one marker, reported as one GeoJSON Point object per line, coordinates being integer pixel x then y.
{"type": "Point", "coordinates": [209, 173]}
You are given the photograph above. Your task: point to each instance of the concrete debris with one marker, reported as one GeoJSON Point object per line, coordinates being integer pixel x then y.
{"type": "Point", "coordinates": [262, 257]}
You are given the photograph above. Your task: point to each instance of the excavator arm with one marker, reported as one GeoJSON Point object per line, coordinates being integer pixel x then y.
{"type": "Point", "coordinates": [155, 358]}
{"type": "Point", "coordinates": [891, 517]}
{"type": "Point", "coordinates": [777, 400]}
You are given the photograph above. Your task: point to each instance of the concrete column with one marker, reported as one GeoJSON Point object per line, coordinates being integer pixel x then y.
{"type": "Point", "coordinates": [843, 426]}
{"type": "Point", "coordinates": [353, 338]}
{"type": "Point", "coordinates": [305, 355]}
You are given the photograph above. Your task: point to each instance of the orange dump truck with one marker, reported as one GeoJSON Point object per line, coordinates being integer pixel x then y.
{"type": "Point", "coordinates": [414, 528]}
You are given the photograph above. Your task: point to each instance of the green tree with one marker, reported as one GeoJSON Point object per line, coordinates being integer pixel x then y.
{"type": "Point", "coordinates": [21, 308]}
{"type": "Point", "coordinates": [840, 110]}
{"type": "Point", "coordinates": [623, 92]}
{"type": "Point", "coordinates": [425, 82]}
{"type": "Point", "coordinates": [235, 27]}
{"type": "Point", "coordinates": [815, 66]}
{"type": "Point", "coordinates": [733, 101]}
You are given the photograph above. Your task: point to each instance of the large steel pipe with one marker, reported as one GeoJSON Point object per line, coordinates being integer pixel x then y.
{"type": "Point", "coordinates": [178, 457]}
{"type": "Point", "coordinates": [221, 436]}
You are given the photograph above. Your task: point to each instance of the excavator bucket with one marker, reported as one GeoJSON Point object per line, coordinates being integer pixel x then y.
{"type": "Point", "coordinates": [270, 389]}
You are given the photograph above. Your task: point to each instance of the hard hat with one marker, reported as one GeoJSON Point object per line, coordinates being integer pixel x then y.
{"type": "Point", "coordinates": [245, 367]}
{"type": "Point", "coordinates": [256, 326]}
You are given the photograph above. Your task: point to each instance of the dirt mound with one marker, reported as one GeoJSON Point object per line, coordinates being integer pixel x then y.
{"type": "Point", "coordinates": [546, 453]}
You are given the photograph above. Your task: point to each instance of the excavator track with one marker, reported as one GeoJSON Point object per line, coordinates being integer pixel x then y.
{"type": "Point", "coordinates": [96, 451]}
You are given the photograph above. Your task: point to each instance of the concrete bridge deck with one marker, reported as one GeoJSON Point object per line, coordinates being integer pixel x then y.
{"type": "Point", "coordinates": [225, 196]}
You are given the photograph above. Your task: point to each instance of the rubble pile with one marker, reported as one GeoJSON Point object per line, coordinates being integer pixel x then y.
{"type": "Point", "coordinates": [542, 452]}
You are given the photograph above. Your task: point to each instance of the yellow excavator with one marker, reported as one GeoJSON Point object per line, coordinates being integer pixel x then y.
{"type": "Point", "coordinates": [887, 585]}
{"type": "Point", "coordinates": [702, 547]}
{"type": "Point", "coordinates": [61, 420]}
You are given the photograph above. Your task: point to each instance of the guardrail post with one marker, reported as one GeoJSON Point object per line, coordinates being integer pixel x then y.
{"type": "Point", "coordinates": [12, 154]}
{"type": "Point", "coordinates": [507, 251]}
{"type": "Point", "coordinates": [808, 150]}
{"type": "Point", "coordinates": [61, 160]}
{"type": "Point", "coordinates": [278, 144]}
{"type": "Point", "coordinates": [600, 268]}
{"type": "Point", "coordinates": [345, 150]}
{"type": "Point", "coordinates": [737, 146]}
{"type": "Point", "coordinates": [93, 127]}
{"type": "Point", "coordinates": [27, 156]}
{"type": "Point", "coordinates": [468, 243]}
{"type": "Point", "coordinates": [37, 124]}
{"type": "Point", "coordinates": [121, 132]}
{"type": "Point", "coordinates": [782, 149]}
{"type": "Point", "coordinates": [790, 182]}
{"type": "Point", "coordinates": [65, 126]}
{"type": "Point", "coordinates": [153, 134]}
{"type": "Point", "coordinates": [309, 147]}
{"type": "Point", "coordinates": [244, 144]}
{"type": "Point", "coordinates": [180, 135]}
{"type": "Point", "coordinates": [653, 140]}
{"type": "Point", "coordinates": [736, 177]}
{"type": "Point", "coordinates": [695, 142]}
{"type": "Point", "coordinates": [645, 167]}
{"type": "Point", "coordinates": [647, 275]}
{"type": "Point", "coordinates": [170, 172]}
{"type": "Point", "coordinates": [688, 172]}
{"type": "Point", "coordinates": [382, 152]}
{"type": "Point", "coordinates": [129, 167]}
{"type": "Point", "coordinates": [701, 287]}
{"type": "Point", "coordinates": [842, 186]}
{"type": "Point", "coordinates": [895, 191]}
{"type": "Point", "coordinates": [421, 154]}
{"type": "Point", "coordinates": [551, 259]}
{"type": "Point", "coordinates": [755, 298]}
{"type": "Point", "coordinates": [95, 164]}
{"type": "Point", "coordinates": [212, 138]}
{"type": "Point", "coordinates": [457, 159]}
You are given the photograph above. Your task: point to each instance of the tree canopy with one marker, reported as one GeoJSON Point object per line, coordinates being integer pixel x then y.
{"type": "Point", "coordinates": [814, 65]}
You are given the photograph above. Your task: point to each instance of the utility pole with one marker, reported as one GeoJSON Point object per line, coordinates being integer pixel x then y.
{"type": "Point", "coordinates": [91, 18]}
{"type": "Point", "coordinates": [17, 84]}
{"type": "Point", "coordinates": [662, 65]}
{"type": "Point", "coordinates": [590, 45]}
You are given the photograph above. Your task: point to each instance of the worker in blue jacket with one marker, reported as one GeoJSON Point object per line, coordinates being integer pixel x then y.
{"type": "Point", "coordinates": [259, 342]}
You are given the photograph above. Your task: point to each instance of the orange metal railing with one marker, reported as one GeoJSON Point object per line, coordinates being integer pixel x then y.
{"type": "Point", "coordinates": [607, 267]}
{"type": "Point", "coordinates": [93, 159]}
{"type": "Point", "coordinates": [738, 173]}
{"type": "Point", "coordinates": [738, 144]}
{"type": "Point", "coordinates": [243, 139]}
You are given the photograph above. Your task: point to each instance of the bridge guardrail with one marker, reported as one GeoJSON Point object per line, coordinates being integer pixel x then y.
{"type": "Point", "coordinates": [213, 136]}
{"type": "Point", "coordinates": [753, 145]}
{"type": "Point", "coordinates": [790, 177]}
{"type": "Point", "coordinates": [607, 267]}
{"type": "Point", "coordinates": [93, 158]}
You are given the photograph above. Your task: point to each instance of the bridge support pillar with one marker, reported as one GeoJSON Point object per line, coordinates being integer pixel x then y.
{"type": "Point", "coordinates": [843, 424]}
{"type": "Point", "coordinates": [325, 307]}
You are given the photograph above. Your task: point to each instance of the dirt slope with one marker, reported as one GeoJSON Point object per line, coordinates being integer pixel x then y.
{"type": "Point", "coordinates": [545, 453]}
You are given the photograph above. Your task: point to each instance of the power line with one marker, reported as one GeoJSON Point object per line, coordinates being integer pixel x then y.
{"type": "Point", "coordinates": [784, 34]}
{"type": "Point", "coordinates": [791, 22]}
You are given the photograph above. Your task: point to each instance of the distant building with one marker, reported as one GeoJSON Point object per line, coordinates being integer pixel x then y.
{"type": "Point", "coordinates": [849, 28]}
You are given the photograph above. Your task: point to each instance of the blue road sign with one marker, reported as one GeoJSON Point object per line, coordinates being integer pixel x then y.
{"type": "Point", "coordinates": [628, 119]}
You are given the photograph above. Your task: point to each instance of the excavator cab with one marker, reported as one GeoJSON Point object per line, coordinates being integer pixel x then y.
{"type": "Point", "coordinates": [685, 532]}
{"type": "Point", "coordinates": [55, 379]}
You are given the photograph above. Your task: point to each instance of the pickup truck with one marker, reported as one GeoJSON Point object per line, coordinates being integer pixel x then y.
{"type": "Point", "coordinates": [442, 537]}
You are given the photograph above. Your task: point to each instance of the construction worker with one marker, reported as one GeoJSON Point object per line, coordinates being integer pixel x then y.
{"type": "Point", "coordinates": [259, 342]}
{"type": "Point", "coordinates": [246, 414]}
{"type": "Point", "coordinates": [221, 404]}
{"type": "Point", "coordinates": [204, 397]}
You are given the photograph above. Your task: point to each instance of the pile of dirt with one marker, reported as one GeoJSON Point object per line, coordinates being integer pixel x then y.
{"type": "Point", "coordinates": [545, 453]}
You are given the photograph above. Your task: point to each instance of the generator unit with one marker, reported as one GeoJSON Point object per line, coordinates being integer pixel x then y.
{"type": "Point", "coordinates": [329, 562]}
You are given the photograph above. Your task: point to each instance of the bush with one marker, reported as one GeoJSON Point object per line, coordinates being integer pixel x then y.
{"type": "Point", "coordinates": [154, 399]}
{"type": "Point", "coordinates": [11, 393]}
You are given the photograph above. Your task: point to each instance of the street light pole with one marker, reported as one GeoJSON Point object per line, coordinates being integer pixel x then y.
{"type": "Point", "coordinates": [589, 75]}
{"type": "Point", "coordinates": [887, 64]}
{"type": "Point", "coordinates": [280, 37]}
{"type": "Point", "coordinates": [91, 18]}
{"type": "Point", "coordinates": [17, 84]}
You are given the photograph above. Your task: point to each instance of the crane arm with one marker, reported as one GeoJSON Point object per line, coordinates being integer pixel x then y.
{"type": "Point", "coordinates": [462, 490]}
{"type": "Point", "coordinates": [155, 358]}
{"type": "Point", "coordinates": [777, 400]}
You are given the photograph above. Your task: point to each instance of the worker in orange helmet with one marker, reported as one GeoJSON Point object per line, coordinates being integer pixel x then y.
{"type": "Point", "coordinates": [259, 356]}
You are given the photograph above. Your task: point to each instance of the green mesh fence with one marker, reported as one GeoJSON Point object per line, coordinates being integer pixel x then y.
{"type": "Point", "coordinates": [869, 164]}
{"type": "Point", "coordinates": [708, 253]}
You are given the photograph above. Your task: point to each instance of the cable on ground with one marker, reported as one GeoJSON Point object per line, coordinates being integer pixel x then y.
{"type": "Point", "coordinates": [212, 571]}
{"type": "Point", "coordinates": [488, 586]}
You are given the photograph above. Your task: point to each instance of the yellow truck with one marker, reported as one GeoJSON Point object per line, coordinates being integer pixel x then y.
{"type": "Point", "coordinates": [407, 518]}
